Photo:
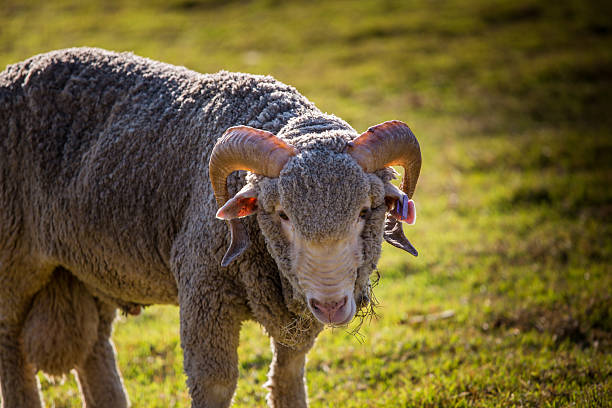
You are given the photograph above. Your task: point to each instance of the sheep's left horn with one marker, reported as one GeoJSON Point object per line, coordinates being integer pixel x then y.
{"type": "Point", "coordinates": [244, 148]}
{"type": "Point", "coordinates": [388, 144]}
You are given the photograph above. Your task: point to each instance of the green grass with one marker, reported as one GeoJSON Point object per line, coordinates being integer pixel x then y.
{"type": "Point", "coordinates": [510, 101]}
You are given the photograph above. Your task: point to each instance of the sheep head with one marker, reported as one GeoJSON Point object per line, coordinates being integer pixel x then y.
{"type": "Point", "coordinates": [321, 211]}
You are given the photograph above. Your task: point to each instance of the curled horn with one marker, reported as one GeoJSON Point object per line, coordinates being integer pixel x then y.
{"type": "Point", "coordinates": [388, 144]}
{"type": "Point", "coordinates": [244, 148]}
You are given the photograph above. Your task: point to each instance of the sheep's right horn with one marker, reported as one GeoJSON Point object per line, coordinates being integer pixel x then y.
{"type": "Point", "coordinates": [244, 148]}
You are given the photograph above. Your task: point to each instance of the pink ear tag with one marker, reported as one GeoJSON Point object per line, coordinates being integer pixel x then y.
{"type": "Point", "coordinates": [405, 210]}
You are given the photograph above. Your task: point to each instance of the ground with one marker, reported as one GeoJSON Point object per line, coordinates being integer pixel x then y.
{"type": "Point", "coordinates": [509, 302]}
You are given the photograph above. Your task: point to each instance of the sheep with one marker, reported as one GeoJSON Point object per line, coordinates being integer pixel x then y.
{"type": "Point", "coordinates": [115, 174]}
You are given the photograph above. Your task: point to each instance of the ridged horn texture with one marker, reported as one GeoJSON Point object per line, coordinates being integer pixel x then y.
{"type": "Point", "coordinates": [390, 143]}
{"type": "Point", "coordinates": [246, 148]}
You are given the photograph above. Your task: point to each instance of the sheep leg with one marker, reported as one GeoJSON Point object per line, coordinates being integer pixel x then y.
{"type": "Point", "coordinates": [286, 377]}
{"type": "Point", "coordinates": [18, 285]}
{"type": "Point", "coordinates": [209, 336]}
{"type": "Point", "coordinates": [98, 377]}
{"type": "Point", "coordinates": [20, 386]}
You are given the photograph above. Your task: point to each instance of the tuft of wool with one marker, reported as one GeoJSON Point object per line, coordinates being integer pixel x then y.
{"type": "Point", "coordinates": [323, 203]}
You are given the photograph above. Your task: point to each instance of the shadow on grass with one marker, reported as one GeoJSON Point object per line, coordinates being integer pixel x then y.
{"type": "Point", "coordinates": [586, 322]}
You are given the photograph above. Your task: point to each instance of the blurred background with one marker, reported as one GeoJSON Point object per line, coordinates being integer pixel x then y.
{"type": "Point", "coordinates": [509, 302]}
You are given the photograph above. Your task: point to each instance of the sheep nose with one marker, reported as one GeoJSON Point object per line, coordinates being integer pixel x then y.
{"type": "Point", "coordinates": [330, 310]}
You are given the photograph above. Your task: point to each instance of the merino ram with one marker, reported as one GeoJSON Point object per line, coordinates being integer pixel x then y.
{"type": "Point", "coordinates": [114, 173]}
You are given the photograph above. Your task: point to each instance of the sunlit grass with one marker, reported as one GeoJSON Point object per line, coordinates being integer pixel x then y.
{"type": "Point", "coordinates": [508, 303]}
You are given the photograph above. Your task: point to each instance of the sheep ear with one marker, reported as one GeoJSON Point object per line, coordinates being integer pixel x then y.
{"type": "Point", "coordinates": [244, 203]}
{"type": "Point", "coordinates": [394, 235]}
{"type": "Point", "coordinates": [241, 205]}
{"type": "Point", "coordinates": [399, 205]}
{"type": "Point", "coordinates": [240, 242]}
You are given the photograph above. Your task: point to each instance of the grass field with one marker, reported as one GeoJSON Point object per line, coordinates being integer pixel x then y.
{"type": "Point", "coordinates": [509, 303]}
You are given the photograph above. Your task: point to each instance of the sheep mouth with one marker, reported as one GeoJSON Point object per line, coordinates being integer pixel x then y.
{"type": "Point", "coordinates": [333, 312]}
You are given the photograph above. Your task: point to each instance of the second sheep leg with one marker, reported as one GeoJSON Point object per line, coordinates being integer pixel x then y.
{"type": "Point", "coordinates": [99, 378]}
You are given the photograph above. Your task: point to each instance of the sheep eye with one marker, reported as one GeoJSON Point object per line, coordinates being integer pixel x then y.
{"type": "Point", "coordinates": [364, 213]}
{"type": "Point", "coordinates": [283, 216]}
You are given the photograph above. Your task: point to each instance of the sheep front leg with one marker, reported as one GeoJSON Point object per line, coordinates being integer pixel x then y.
{"type": "Point", "coordinates": [99, 378]}
{"type": "Point", "coordinates": [18, 377]}
{"type": "Point", "coordinates": [286, 377]}
{"type": "Point", "coordinates": [210, 330]}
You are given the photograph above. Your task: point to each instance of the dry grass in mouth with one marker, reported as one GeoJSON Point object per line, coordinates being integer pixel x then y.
{"type": "Point", "coordinates": [368, 311]}
{"type": "Point", "coordinates": [296, 329]}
